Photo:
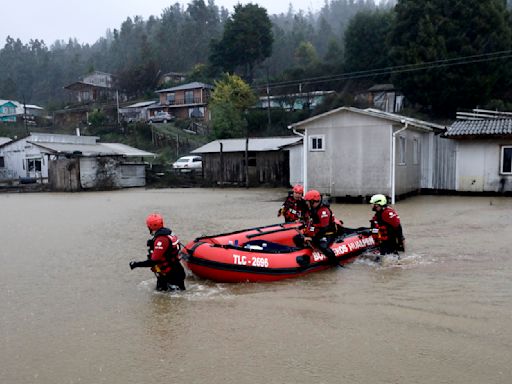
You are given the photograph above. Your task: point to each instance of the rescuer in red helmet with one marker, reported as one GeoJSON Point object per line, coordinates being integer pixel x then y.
{"type": "Point", "coordinates": [319, 225]}
{"type": "Point", "coordinates": [163, 249]}
{"type": "Point", "coordinates": [294, 206]}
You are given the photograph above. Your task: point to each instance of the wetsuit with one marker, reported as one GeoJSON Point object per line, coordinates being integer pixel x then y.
{"type": "Point", "coordinates": [321, 227]}
{"type": "Point", "coordinates": [292, 210]}
{"type": "Point", "coordinates": [164, 261]}
{"type": "Point", "coordinates": [390, 235]}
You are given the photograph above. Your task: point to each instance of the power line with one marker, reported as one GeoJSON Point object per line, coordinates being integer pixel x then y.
{"type": "Point", "coordinates": [461, 60]}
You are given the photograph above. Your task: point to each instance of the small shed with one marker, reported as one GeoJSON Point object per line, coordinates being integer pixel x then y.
{"type": "Point", "coordinates": [71, 163]}
{"type": "Point", "coordinates": [484, 154]}
{"type": "Point", "coordinates": [268, 160]}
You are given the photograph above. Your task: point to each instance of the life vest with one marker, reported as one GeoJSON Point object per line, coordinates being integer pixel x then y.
{"type": "Point", "coordinates": [313, 219]}
{"type": "Point", "coordinates": [170, 254]}
{"type": "Point", "coordinates": [292, 209]}
{"type": "Point", "coordinates": [381, 227]}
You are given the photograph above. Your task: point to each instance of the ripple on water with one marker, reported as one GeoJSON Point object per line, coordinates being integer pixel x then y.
{"type": "Point", "coordinates": [196, 290]}
{"type": "Point", "coordinates": [393, 261]}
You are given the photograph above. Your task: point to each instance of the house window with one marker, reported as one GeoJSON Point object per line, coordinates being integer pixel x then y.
{"type": "Point", "coordinates": [34, 165]}
{"type": "Point", "coordinates": [506, 160]}
{"type": "Point", "coordinates": [197, 112]}
{"type": "Point", "coordinates": [317, 143]}
{"type": "Point", "coordinates": [415, 151]}
{"type": "Point", "coordinates": [189, 97]}
{"type": "Point", "coordinates": [171, 98]}
{"type": "Point", "coordinates": [401, 150]}
{"type": "Point", "coordinates": [2, 162]}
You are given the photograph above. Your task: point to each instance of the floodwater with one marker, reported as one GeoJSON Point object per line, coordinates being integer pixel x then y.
{"type": "Point", "coordinates": [71, 311]}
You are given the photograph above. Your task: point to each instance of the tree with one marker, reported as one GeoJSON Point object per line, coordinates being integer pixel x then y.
{"type": "Point", "coordinates": [305, 54]}
{"type": "Point", "coordinates": [230, 100]}
{"type": "Point", "coordinates": [246, 41]}
{"type": "Point", "coordinates": [440, 30]}
{"type": "Point", "coordinates": [365, 40]}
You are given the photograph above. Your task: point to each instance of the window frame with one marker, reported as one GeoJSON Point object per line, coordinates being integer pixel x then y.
{"type": "Point", "coordinates": [502, 158]}
{"type": "Point", "coordinates": [189, 97]}
{"type": "Point", "coordinates": [171, 98]}
{"type": "Point", "coordinates": [34, 164]}
{"type": "Point", "coordinates": [415, 151]}
{"type": "Point", "coordinates": [313, 143]}
{"type": "Point", "coordinates": [402, 150]}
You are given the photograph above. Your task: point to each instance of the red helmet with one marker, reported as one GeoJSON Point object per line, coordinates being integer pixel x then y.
{"type": "Point", "coordinates": [154, 221]}
{"type": "Point", "coordinates": [298, 189]}
{"type": "Point", "coordinates": [312, 195]}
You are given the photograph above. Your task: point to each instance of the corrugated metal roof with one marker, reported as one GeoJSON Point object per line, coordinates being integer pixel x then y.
{"type": "Point", "coordinates": [98, 149]}
{"type": "Point", "coordinates": [126, 150]}
{"type": "Point", "coordinates": [4, 140]}
{"type": "Point", "coordinates": [488, 127]}
{"type": "Point", "coordinates": [59, 138]}
{"type": "Point", "coordinates": [421, 124]}
{"type": "Point", "coordinates": [259, 144]}
{"type": "Point", "coordinates": [141, 104]}
{"type": "Point", "coordinates": [192, 85]}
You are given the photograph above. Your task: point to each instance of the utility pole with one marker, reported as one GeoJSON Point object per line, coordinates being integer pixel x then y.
{"type": "Point", "coordinates": [25, 115]}
{"type": "Point", "coordinates": [268, 104]}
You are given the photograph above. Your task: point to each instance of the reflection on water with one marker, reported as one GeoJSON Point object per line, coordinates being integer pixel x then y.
{"type": "Point", "coordinates": [71, 310]}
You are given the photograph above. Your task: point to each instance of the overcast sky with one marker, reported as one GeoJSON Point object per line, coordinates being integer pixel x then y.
{"type": "Point", "coordinates": [88, 20]}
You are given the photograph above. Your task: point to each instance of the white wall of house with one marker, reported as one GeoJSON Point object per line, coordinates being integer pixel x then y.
{"type": "Point", "coordinates": [478, 166]}
{"type": "Point", "coordinates": [98, 172]}
{"type": "Point", "coordinates": [356, 156]}
{"type": "Point", "coordinates": [296, 165]}
{"type": "Point", "coordinates": [23, 159]}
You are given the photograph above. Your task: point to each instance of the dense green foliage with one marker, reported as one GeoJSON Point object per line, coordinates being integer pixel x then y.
{"type": "Point", "coordinates": [229, 103]}
{"type": "Point", "coordinates": [443, 30]}
{"type": "Point", "coordinates": [246, 41]}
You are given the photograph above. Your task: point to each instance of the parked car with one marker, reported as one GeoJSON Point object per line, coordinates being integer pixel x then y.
{"type": "Point", "coordinates": [188, 164]}
{"type": "Point", "coordinates": [161, 117]}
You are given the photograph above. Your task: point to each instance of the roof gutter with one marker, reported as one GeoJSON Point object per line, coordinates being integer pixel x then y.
{"type": "Point", "coordinates": [304, 156]}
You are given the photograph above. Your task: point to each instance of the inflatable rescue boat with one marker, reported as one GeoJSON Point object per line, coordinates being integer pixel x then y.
{"type": "Point", "coordinates": [267, 254]}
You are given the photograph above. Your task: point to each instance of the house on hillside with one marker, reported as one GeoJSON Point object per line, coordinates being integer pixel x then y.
{"type": "Point", "coordinates": [171, 77]}
{"type": "Point", "coordinates": [351, 152]}
{"type": "Point", "coordinates": [12, 111]}
{"type": "Point", "coordinates": [268, 160]}
{"type": "Point", "coordinates": [137, 111]}
{"type": "Point", "coordinates": [7, 111]}
{"type": "Point", "coordinates": [386, 98]}
{"type": "Point", "coordinates": [484, 154]}
{"type": "Point", "coordinates": [71, 163]}
{"type": "Point", "coordinates": [187, 101]}
{"type": "Point", "coordinates": [94, 87]}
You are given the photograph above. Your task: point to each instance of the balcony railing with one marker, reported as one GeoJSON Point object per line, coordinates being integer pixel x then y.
{"type": "Point", "coordinates": [188, 101]}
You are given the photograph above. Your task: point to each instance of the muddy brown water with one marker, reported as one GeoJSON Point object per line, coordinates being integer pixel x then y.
{"type": "Point", "coordinates": [71, 311]}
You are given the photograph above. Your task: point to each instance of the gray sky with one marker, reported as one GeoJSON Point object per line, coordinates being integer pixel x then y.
{"type": "Point", "coordinates": [88, 20]}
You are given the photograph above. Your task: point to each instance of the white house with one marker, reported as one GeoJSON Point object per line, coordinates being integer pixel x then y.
{"type": "Point", "coordinates": [70, 162]}
{"type": "Point", "coordinates": [484, 154]}
{"type": "Point", "coordinates": [351, 152]}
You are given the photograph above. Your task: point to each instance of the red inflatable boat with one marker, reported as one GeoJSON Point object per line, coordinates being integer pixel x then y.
{"type": "Point", "coordinates": [267, 254]}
